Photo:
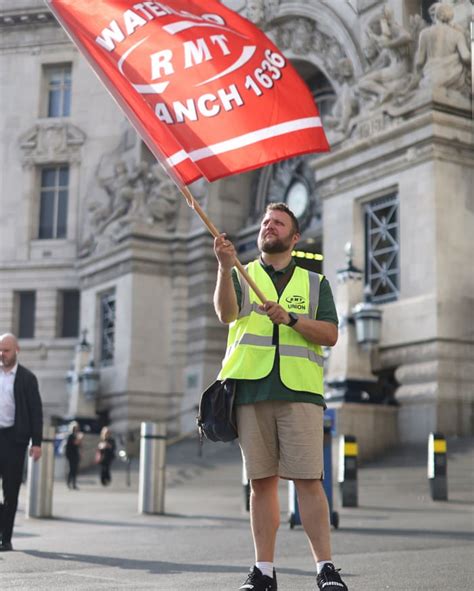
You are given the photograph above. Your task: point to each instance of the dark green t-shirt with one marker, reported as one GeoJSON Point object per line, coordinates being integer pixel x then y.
{"type": "Point", "coordinates": [271, 386]}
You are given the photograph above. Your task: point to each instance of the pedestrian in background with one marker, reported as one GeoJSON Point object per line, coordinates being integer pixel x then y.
{"type": "Point", "coordinates": [21, 420]}
{"type": "Point", "coordinates": [274, 352]}
{"type": "Point", "coordinates": [73, 453]}
{"type": "Point", "coordinates": [106, 452]}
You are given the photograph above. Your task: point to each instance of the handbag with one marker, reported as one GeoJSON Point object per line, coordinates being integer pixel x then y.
{"type": "Point", "coordinates": [216, 415]}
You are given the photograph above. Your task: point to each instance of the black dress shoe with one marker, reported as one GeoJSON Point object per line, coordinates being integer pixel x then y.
{"type": "Point", "coordinates": [6, 547]}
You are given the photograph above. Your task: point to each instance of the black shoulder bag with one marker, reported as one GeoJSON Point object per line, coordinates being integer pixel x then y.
{"type": "Point", "coordinates": [216, 415]}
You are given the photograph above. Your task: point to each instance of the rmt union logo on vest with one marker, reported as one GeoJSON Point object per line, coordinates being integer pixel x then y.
{"type": "Point", "coordinates": [296, 302]}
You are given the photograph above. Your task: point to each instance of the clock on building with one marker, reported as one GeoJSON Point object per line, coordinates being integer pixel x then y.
{"type": "Point", "coordinates": [298, 197]}
{"type": "Point", "coordinates": [293, 182]}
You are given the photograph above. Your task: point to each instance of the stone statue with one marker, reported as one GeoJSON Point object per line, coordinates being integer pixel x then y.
{"type": "Point", "coordinates": [256, 11]}
{"type": "Point", "coordinates": [389, 46]}
{"type": "Point", "coordinates": [346, 105]}
{"type": "Point", "coordinates": [443, 56]}
{"type": "Point", "coordinates": [121, 192]}
{"type": "Point", "coordinates": [143, 194]}
{"type": "Point", "coordinates": [163, 199]}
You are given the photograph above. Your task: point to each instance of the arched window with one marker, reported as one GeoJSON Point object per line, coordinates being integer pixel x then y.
{"type": "Point", "coordinates": [292, 180]}
{"type": "Point", "coordinates": [321, 88]}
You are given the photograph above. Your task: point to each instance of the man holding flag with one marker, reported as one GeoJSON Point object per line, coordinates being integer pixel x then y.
{"type": "Point", "coordinates": [274, 352]}
{"type": "Point", "coordinates": [212, 96]}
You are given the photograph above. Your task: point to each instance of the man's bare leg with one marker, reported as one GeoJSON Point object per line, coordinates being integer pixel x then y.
{"type": "Point", "coordinates": [314, 511]}
{"type": "Point", "coordinates": [264, 517]}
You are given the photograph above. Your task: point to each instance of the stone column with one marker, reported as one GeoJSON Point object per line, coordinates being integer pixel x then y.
{"type": "Point", "coordinates": [144, 270]}
{"type": "Point", "coordinates": [435, 392]}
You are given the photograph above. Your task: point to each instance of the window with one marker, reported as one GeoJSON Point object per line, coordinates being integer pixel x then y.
{"type": "Point", "coordinates": [26, 307]}
{"type": "Point", "coordinates": [382, 248]}
{"type": "Point", "coordinates": [107, 326]}
{"type": "Point", "coordinates": [53, 202]}
{"type": "Point", "coordinates": [58, 90]}
{"type": "Point", "coordinates": [69, 313]}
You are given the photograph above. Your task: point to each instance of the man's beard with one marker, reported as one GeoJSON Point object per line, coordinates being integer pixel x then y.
{"type": "Point", "coordinates": [274, 245]}
{"type": "Point", "coordinates": [11, 365]}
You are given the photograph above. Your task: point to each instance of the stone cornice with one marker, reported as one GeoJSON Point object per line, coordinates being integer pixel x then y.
{"type": "Point", "coordinates": [399, 160]}
{"type": "Point", "coordinates": [116, 270]}
{"type": "Point", "coordinates": [417, 140]}
{"type": "Point", "coordinates": [17, 266]}
{"type": "Point", "coordinates": [26, 17]}
{"type": "Point", "coordinates": [137, 254]}
{"type": "Point", "coordinates": [422, 351]}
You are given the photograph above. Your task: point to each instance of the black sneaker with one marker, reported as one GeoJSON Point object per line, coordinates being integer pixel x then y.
{"type": "Point", "coordinates": [257, 581]}
{"type": "Point", "coordinates": [329, 579]}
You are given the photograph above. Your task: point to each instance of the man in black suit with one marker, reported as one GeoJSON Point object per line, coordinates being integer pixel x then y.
{"type": "Point", "coordinates": [21, 420]}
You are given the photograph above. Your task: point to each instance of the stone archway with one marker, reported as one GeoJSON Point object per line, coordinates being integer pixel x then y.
{"type": "Point", "coordinates": [320, 46]}
{"type": "Point", "coordinates": [317, 32]}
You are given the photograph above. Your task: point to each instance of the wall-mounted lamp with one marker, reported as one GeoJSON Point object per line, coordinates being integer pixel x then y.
{"type": "Point", "coordinates": [82, 381]}
{"type": "Point", "coordinates": [368, 321]}
{"type": "Point", "coordinates": [90, 379]}
{"type": "Point", "coordinates": [70, 379]}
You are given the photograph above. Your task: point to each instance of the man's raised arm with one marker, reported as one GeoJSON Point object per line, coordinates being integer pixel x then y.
{"type": "Point", "coordinates": [225, 299]}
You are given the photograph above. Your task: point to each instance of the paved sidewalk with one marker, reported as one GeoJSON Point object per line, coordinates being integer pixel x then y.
{"type": "Point", "coordinates": [397, 539]}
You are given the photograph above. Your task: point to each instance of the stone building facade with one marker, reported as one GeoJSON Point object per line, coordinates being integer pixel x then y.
{"type": "Point", "coordinates": [94, 237]}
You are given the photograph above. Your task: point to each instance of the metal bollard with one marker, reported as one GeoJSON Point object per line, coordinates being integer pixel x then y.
{"type": "Point", "coordinates": [40, 479]}
{"type": "Point", "coordinates": [438, 467]}
{"type": "Point", "coordinates": [151, 488]}
{"type": "Point", "coordinates": [123, 455]}
{"type": "Point", "coordinates": [347, 471]}
{"type": "Point", "coordinates": [293, 507]}
{"type": "Point", "coordinates": [294, 517]}
{"type": "Point", "coordinates": [327, 481]}
{"type": "Point", "coordinates": [246, 485]}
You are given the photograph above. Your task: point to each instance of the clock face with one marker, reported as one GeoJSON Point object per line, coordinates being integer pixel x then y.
{"type": "Point", "coordinates": [297, 198]}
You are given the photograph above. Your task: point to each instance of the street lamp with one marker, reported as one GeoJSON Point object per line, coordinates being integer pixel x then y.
{"type": "Point", "coordinates": [368, 321]}
{"type": "Point", "coordinates": [82, 381]}
{"type": "Point", "coordinates": [70, 380]}
{"type": "Point", "coordinates": [90, 378]}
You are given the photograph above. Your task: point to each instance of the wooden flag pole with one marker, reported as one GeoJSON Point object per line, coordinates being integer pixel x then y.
{"type": "Point", "coordinates": [215, 232]}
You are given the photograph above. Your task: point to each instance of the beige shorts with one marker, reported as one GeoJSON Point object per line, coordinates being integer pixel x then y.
{"type": "Point", "coordinates": [279, 438]}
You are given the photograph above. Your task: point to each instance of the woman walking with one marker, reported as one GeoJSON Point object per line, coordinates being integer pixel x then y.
{"type": "Point", "coordinates": [73, 454]}
{"type": "Point", "coordinates": [106, 449]}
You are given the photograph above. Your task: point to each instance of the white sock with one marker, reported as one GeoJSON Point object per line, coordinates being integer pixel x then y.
{"type": "Point", "coordinates": [266, 568]}
{"type": "Point", "coordinates": [320, 565]}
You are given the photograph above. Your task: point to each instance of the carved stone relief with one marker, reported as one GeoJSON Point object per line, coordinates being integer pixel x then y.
{"type": "Point", "coordinates": [388, 53]}
{"type": "Point", "coordinates": [302, 35]}
{"type": "Point", "coordinates": [261, 12]}
{"type": "Point", "coordinates": [402, 65]}
{"type": "Point", "coordinates": [361, 5]}
{"type": "Point", "coordinates": [347, 102]}
{"type": "Point", "coordinates": [443, 57]}
{"type": "Point", "coordinates": [50, 142]}
{"type": "Point", "coordinates": [142, 194]}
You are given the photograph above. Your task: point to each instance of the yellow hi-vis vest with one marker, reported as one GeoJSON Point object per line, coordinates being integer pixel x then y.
{"type": "Point", "coordinates": [250, 354]}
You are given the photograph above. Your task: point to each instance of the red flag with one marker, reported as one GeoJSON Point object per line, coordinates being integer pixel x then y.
{"type": "Point", "coordinates": [206, 89]}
